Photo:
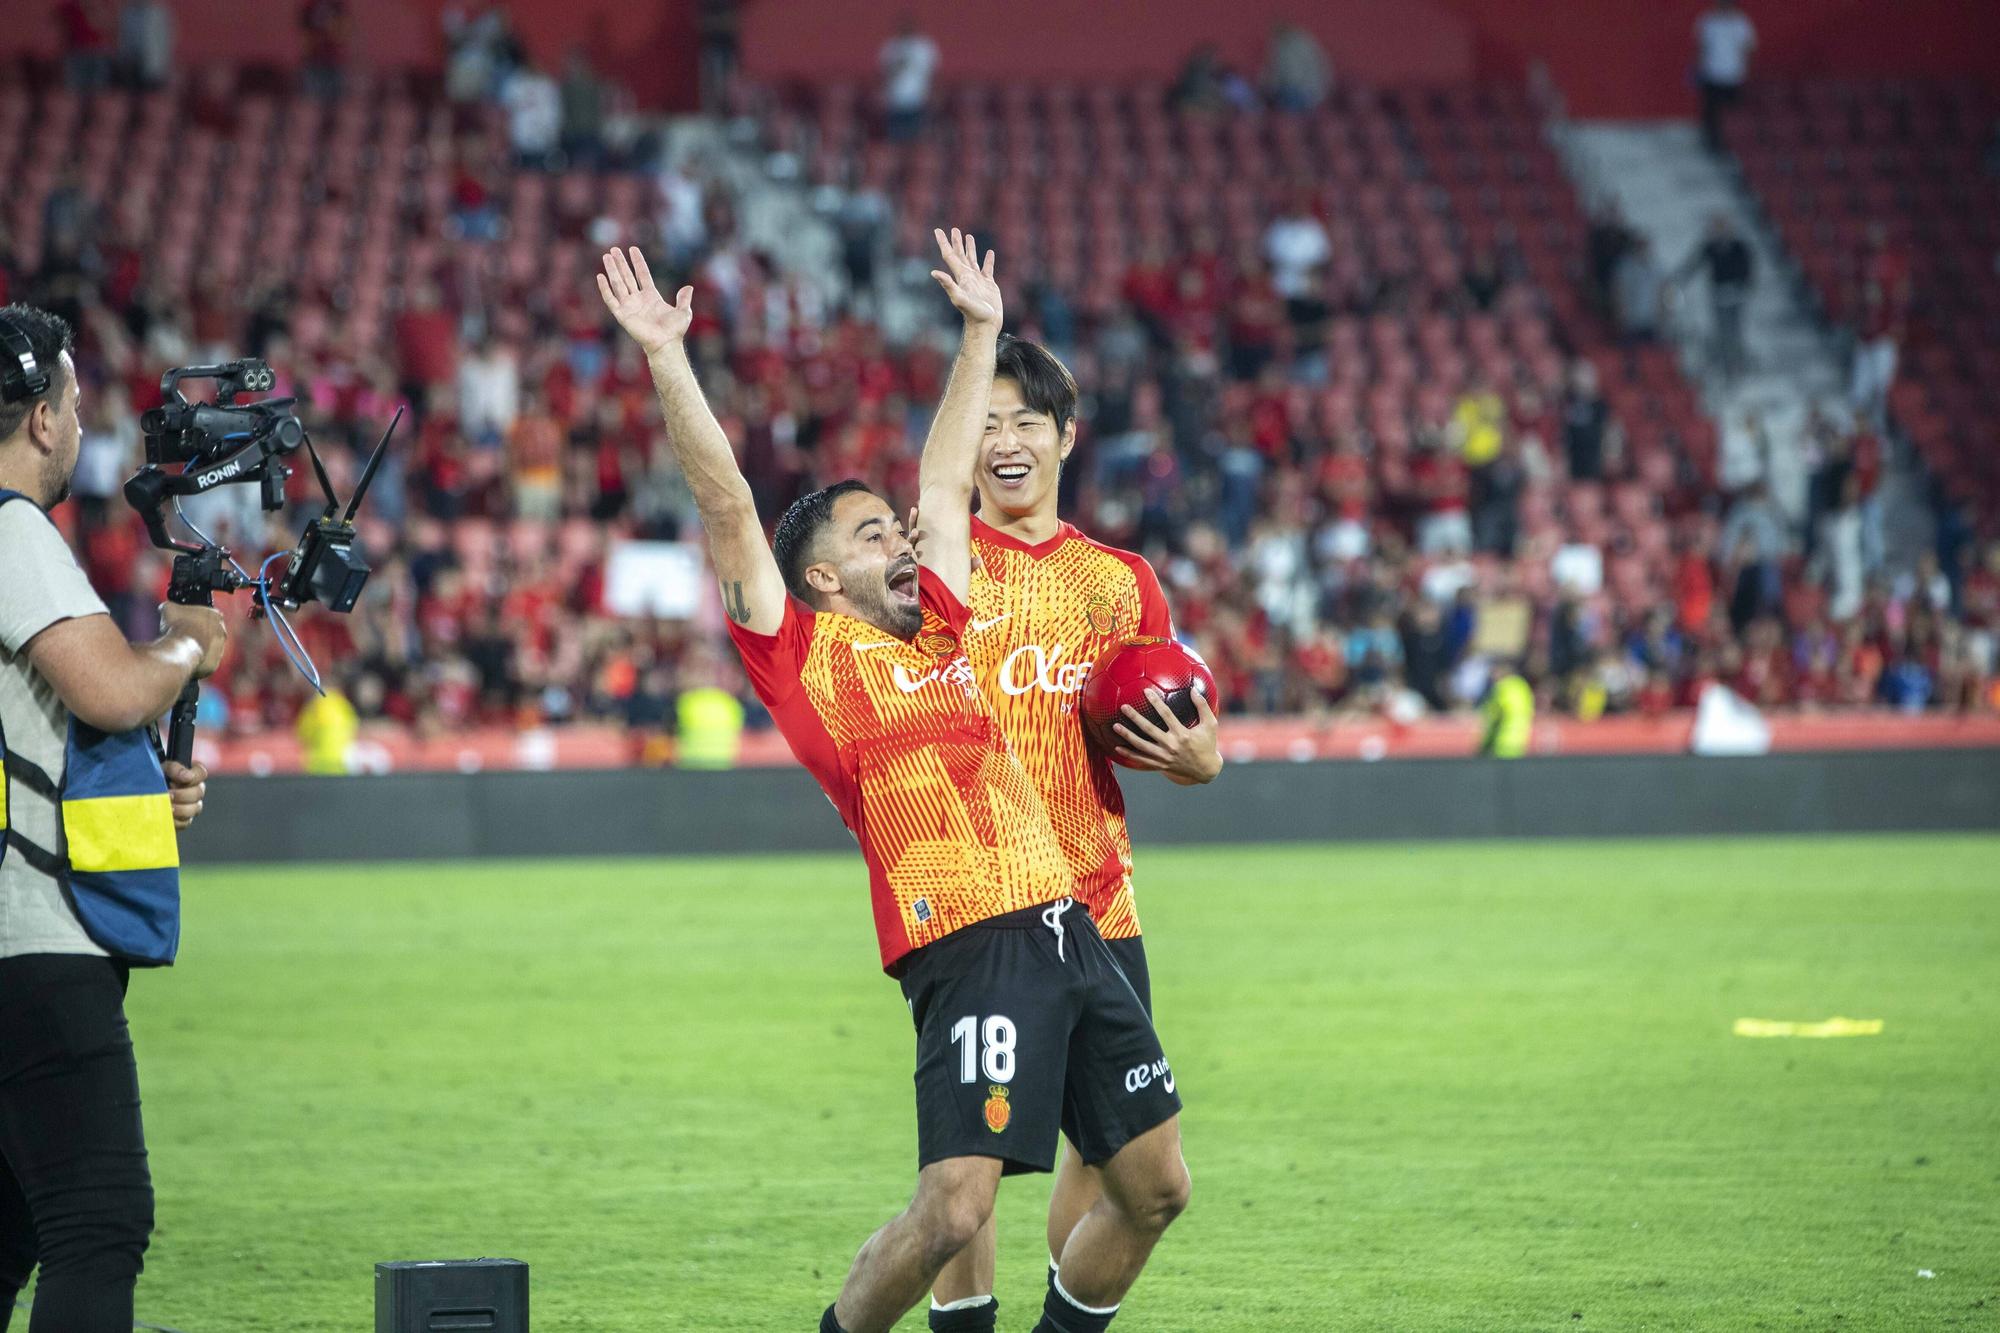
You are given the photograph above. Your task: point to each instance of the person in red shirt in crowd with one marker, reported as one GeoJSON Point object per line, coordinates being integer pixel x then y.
{"type": "Point", "coordinates": [1763, 673]}
{"type": "Point", "coordinates": [1442, 486]}
{"type": "Point", "coordinates": [426, 341]}
{"type": "Point", "coordinates": [1256, 318]}
{"type": "Point", "coordinates": [1859, 667]}
{"type": "Point", "coordinates": [1149, 286]}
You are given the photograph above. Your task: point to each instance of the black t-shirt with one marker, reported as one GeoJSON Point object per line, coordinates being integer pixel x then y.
{"type": "Point", "coordinates": [1730, 262]}
{"type": "Point", "coordinates": [1583, 437]}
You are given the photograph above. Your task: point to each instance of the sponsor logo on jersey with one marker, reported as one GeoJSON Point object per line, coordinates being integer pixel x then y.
{"type": "Point", "coordinates": [958, 672]}
{"type": "Point", "coordinates": [1033, 667]}
{"type": "Point", "coordinates": [998, 1111]}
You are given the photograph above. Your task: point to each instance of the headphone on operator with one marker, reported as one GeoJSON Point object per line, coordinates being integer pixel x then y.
{"type": "Point", "coordinates": [21, 375]}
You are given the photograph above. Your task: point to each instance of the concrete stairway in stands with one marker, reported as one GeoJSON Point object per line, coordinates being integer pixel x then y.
{"type": "Point", "coordinates": [1668, 188]}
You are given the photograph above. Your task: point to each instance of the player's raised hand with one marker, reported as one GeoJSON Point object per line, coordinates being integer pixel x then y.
{"type": "Point", "coordinates": [639, 307]}
{"type": "Point", "coordinates": [1161, 743]}
{"type": "Point", "coordinates": [967, 280]}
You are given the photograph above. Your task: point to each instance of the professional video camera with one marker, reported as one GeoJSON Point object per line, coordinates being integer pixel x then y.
{"type": "Point", "coordinates": [230, 443]}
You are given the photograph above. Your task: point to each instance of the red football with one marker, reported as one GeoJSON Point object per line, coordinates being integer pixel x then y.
{"type": "Point", "coordinates": [1122, 677]}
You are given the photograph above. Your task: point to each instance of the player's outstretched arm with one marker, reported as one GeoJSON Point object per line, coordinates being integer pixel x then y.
{"type": "Point", "coordinates": [753, 591]}
{"type": "Point", "coordinates": [951, 452]}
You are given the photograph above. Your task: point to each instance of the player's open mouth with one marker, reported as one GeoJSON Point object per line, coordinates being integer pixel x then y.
{"type": "Point", "coordinates": [903, 584]}
{"type": "Point", "coordinates": [1011, 475]}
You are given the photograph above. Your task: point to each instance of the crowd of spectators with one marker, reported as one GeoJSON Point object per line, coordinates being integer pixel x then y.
{"type": "Point", "coordinates": [1316, 573]}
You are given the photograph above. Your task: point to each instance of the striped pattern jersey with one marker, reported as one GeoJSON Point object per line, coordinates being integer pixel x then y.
{"type": "Point", "coordinates": [906, 747]}
{"type": "Point", "coordinates": [1042, 616]}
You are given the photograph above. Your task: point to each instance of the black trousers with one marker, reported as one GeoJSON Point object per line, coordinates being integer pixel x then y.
{"type": "Point", "coordinates": [75, 1194]}
{"type": "Point", "coordinates": [1716, 100]}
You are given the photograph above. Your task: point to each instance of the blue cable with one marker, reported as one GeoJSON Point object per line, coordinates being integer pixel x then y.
{"type": "Point", "coordinates": [288, 638]}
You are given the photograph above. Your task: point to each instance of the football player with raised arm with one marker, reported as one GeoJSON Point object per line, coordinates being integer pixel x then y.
{"type": "Point", "coordinates": [1027, 1027]}
{"type": "Point", "coordinates": [1047, 604]}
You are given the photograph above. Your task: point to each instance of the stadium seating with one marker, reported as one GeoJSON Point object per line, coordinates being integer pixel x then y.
{"type": "Point", "coordinates": [1827, 160]}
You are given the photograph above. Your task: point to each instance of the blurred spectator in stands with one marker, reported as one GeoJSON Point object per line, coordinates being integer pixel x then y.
{"type": "Point", "coordinates": [480, 49]}
{"type": "Point", "coordinates": [85, 27]}
{"type": "Point", "coordinates": [426, 342]}
{"type": "Point", "coordinates": [1510, 714]}
{"type": "Point", "coordinates": [1866, 454]}
{"type": "Point", "coordinates": [1256, 314]}
{"type": "Point", "coordinates": [1924, 586]}
{"type": "Point", "coordinates": [1439, 478]}
{"type": "Point", "coordinates": [489, 391]}
{"type": "Point", "coordinates": [108, 450]}
{"type": "Point", "coordinates": [327, 728]}
{"type": "Point", "coordinates": [1605, 244]}
{"type": "Point", "coordinates": [1754, 543]}
{"type": "Point", "coordinates": [683, 218]}
{"type": "Point", "coordinates": [1348, 487]}
{"type": "Point", "coordinates": [720, 24]}
{"type": "Point", "coordinates": [69, 219]}
{"type": "Point", "coordinates": [145, 44]}
{"type": "Point", "coordinates": [1296, 244]}
{"type": "Point", "coordinates": [1496, 501]}
{"type": "Point", "coordinates": [534, 460]}
{"type": "Point", "coordinates": [1206, 84]}
{"type": "Point", "coordinates": [867, 220]}
{"type": "Point", "coordinates": [908, 62]}
{"type": "Point", "coordinates": [582, 111]}
{"type": "Point", "coordinates": [1883, 303]}
{"type": "Point", "coordinates": [1837, 563]}
{"type": "Point", "coordinates": [1725, 258]}
{"type": "Point", "coordinates": [1724, 38]}
{"type": "Point", "coordinates": [325, 27]}
{"type": "Point", "coordinates": [534, 116]}
{"type": "Point", "coordinates": [1829, 456]}
{"type": "Point", "coordinates": [1586, 419]}
{"type": "Point", "coordinates": [1908, 681]}
{"type": "Point", "coordinates": [473, 209]}
{"type": "Point", "coordinates": [1427, 660]}
{"type": "Point", "coordinates": [1636, 287]}
{"type": "Point", "coordinates": [1484, 279]}
{"type": "Point", "coordinates": [1296, 74]}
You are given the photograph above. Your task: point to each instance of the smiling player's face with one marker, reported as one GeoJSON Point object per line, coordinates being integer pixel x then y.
{"type": "Point", "coordinates": [1020, 458]}
{"type": "Point", "coordinates": [868, 557]}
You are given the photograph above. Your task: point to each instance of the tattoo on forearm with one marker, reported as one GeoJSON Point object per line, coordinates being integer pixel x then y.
{"type": "Point", "coordinates": [738, 609]}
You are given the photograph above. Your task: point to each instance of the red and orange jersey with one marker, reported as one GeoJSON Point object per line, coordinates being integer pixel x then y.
{"type": "Point", "coordinates": [905, 745]}
{"type": "Point", "coordinates": [1042, 616]}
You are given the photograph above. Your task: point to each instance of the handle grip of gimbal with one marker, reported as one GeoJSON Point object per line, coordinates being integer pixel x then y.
{"type": "Point", "coordinates": [180, 725]}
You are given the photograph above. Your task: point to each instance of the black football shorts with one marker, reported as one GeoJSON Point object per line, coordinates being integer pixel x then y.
{"type": "Point", "coordinates": [1027, 1028]}
{"type": "Point", "coordinates": [1131, 955]}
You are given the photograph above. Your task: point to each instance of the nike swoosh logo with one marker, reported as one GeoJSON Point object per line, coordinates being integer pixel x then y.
{"type": "Point", "coordinates": [979, 625]}
{"type": "Point", "coordinates": [867, 647]}
{"type": "Point", "coordinates": [1170, 1082]}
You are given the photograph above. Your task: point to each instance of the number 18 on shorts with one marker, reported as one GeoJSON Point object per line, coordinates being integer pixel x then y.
{"type": "Point", "coordinates": [1026, 1033]}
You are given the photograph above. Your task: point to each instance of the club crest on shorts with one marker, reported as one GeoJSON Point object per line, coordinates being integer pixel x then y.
{"type": "Point", "coordinates": [998, 1110]}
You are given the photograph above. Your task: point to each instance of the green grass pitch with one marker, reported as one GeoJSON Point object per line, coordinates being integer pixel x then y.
{"type": "Point", "coordinates": [1474, 1086]}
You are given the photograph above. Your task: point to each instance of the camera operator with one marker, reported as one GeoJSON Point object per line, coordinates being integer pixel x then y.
{"type": "Point", "coordinates": [89, 849]}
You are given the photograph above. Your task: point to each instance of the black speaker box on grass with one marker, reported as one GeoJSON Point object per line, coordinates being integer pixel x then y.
{"type": "Point", "coordinates": [452, 1296]}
